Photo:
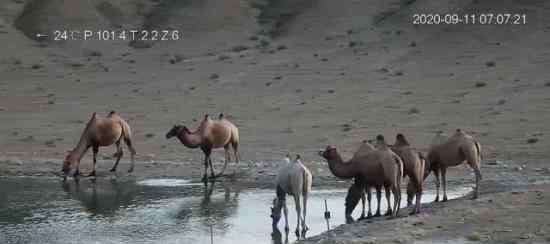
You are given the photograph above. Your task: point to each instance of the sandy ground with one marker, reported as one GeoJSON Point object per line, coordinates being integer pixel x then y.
{"type": "Point", "coordinates": [337, 72]}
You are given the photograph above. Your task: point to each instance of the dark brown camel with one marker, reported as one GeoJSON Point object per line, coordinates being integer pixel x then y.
{"type": "Point", "coordinates": [381, 168]}
{"type": "Point", "coordinates": [210, 134]}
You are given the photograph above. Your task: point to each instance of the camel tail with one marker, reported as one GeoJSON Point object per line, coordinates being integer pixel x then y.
{"type": "Point", "coordinates": [306, 187]}
{"type": "Point", "coordinates": [126, 130]}
{"type": "Point", "coordinates": [478, 149]}
{"type": "Point", "coordinates": [399, 163]}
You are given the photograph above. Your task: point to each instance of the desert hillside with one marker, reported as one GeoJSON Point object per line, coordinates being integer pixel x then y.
{"type": "Point", "coordinates": [293, 75]}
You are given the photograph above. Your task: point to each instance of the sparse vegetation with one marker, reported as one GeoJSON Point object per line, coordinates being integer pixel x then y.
{"type": "Point", "coordinates": [480, 84]}
{"type": "Point", "coordinates": [414, 111]}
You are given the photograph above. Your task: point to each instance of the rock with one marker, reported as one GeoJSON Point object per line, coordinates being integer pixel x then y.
{"type": "Point", "coordinates": [532, 140]}
{"type": "Point", "coordinates": [214, 76]}
{"type": "Point", "coordinates": [474, 236]}
{"type": "Point", "coordinates": [239, 48]}
{"type": "Point", "coordinates": [223, 57]}
{"type": "Point", "coordinates": [92, 53]}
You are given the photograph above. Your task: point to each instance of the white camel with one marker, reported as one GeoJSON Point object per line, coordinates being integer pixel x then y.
{"type": "Point", "coordinates": [293, 179]}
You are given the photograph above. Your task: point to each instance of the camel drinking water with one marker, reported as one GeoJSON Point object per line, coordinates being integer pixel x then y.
{"type": "Point", "coordinates": [457, 149]}
{"type": "Point", "coordinates": [210, 134]}
{"type": "Point", "coordinates": [293, 179]}
{"type": "Point", "coordinates": [100, 132]}
{"type": "Point", "coordinates": [380, 168]}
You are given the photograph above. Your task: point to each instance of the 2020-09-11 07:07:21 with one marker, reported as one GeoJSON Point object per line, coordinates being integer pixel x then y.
{"type": "Point", "coordinates": [116, 35]}
{"type": "Point", "coordinates": [469, 19]}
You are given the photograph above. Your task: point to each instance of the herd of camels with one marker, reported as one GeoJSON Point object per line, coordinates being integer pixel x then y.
{"type": "Point", "coordinates": [375, 164]}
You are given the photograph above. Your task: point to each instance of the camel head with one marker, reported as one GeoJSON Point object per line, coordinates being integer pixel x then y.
{"type": "Point", "coordinates": [175, 131]}
{"type": "Point", "coordinates": [70, 164]}
{"type": "Point", "coordinates": [276, 211]}
{"type": "Point", "coordinates": [329, 153]}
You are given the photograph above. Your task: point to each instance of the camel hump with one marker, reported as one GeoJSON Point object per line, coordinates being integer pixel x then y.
{"type": "Point", "coordinates": [401, 140]}
{"type": "Point", "coordinates": [93, 117]}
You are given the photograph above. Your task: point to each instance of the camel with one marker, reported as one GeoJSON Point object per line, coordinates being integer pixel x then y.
{"type": "Point", "coordinates": [293, 179]}
{"type": "Point", "coordinates": [457, 149]}
{"type": "Point", "coordinates": [211, 134]}
{"type": "Point", "coordinates": [365, 148]}
{"type": "Point", "coordinates": [100, 132]}
{"type": "Point", "coordinates": [413, 167]}
{"type": "Point", "coordinates": [380, 168]}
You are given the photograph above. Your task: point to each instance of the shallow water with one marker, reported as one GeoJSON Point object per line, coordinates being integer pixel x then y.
{"type": "Point", "coordinates": [37, 210]}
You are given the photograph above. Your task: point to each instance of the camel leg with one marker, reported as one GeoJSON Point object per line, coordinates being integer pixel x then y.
{"type": "Point", "coordinates": [437, 184]}
{"type": "Point", "coordinates": [285, 211]}
{"type": "Point", "coordinates": [388, 195]}
{"type": "Point", "coordinates": [235, 146]}
{"type": "Point", "coordinates": [212, 173]}
{"type": "Point", "coordinates": [363, 200]}
{"type": "Point", "coordinates": [410, 192]}
{"type": "Point", "coordinates": [369, 198]}
{"type": "Point", "coordinates": [378, 199]}
{"type": "Point", "coordinates": [207, 151]}
{"type": "Point", "coordinates": [298, 214]}
{"type": "Point", "coordinates": [305, 228]}
{"type": "Point", "coordinates": [95, 149]}
{"type": "Point", "coordinates": [444, 181]}
{"type": "Point", "coordinates": [396, 200]}
{"type": "Point", "coordinates": [118, 155]}
{"type": "Point", "coordinates": [128, 142]}
{"type": "Point", "coordinates": [227, 159]}
{"type": "Point", "coordinates": [418, 198]}
{"type": "Point", "coordinates": [475, 167]}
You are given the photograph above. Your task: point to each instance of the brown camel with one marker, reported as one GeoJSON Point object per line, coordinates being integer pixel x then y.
{"type": "Point", "coordinates": [381, 168]}
{"type": "Point", "coordinates": [100, 132]}
{"type": "Point", "coordinates": [210, 134]}
{"type": "Point", "coordinates": [457, 149]}
{"type": "Point", "coordinates": [413, 167]}
{"type": "Point", "coordinates": [365, 148]}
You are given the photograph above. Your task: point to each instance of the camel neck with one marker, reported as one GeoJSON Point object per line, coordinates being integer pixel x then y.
{"type": "Point", "coordinates": [81, 147]}
{"type": "Point", "coordinates": [192, 140]}
{"type": "Point", "coordinates": [341, 169]}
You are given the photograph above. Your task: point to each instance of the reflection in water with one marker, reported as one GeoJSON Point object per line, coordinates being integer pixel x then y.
{"type": "Point", "coordinates": [102, 199]}
{"type": "Point", "coordinates": [277, 237]}
{"type": "Point", "coordinates": [37, 210]}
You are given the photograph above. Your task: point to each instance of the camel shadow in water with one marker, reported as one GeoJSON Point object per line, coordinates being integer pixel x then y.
{"type": "Point", "coordinates": [277, 236]}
